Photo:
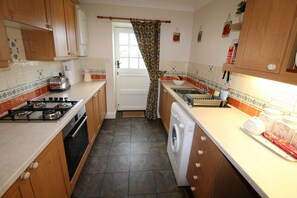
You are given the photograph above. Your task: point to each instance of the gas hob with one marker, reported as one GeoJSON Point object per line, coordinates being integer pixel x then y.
{"type": "Point", "coordinates": [45, 109]}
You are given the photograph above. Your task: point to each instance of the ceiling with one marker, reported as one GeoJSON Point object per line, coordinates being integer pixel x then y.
{"type": "Point", "coordinates": [183, 5]}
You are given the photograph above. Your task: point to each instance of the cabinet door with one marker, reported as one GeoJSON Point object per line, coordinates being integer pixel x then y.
{"type": "Point", "coordinates": [264, 36]}
{"type": "Point", "coordinates": [50, 178]}
{"type": "Point", "coordinates": [90, 121]}
{"type": "Point", "coordinates": [20, 189]}
{"type": "Point", "coordinates": [4, 49]}
{"type": "Point", "coordinates": [59, 28]}
{"type": "Point", "coordinates": [96, 112]}
{"type": "Point", "coordinates": [31, 12]}
{"type": "Point", "coordinates": [70, 13]}
{"type": "Point", "coordinates": [167, 110]}
{"type": "Point", "coordinates": [102, 104]}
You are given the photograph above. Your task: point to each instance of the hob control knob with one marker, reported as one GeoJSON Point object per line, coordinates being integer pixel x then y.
{"type": "Point", "coordinates": [61, 98]}
{"type": "Point", "coordinates": [56, 98]}
{"type": "Point", "coordinates": [50, 98]}
{"type": "Point", "coordinates": [181, 126]}
{"type": "Point", "coordinates": [43, 99]}
{"type": "Point", "coordinates": [65, 98]}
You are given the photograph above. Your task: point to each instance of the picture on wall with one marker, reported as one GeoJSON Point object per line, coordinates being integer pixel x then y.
{"type": "Point", "coordinates": [227, 27]}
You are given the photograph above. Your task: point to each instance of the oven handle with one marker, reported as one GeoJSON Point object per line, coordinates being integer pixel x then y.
{"type": "Point", "coordinates": [77, 130]}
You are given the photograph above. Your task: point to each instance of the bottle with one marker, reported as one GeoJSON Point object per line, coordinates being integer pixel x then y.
{"type": "Point", "coordinates": [269, 116]}
{"type": "Point", "coordinates": [285, 128]}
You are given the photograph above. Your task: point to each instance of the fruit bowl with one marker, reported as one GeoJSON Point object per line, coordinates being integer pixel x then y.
{"type": "Point", "coordinates": [178, 82]}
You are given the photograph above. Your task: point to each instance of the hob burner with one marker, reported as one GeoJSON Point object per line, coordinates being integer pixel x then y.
{"type": "Point", "coordinates": [51, 115]}
{"type": "Point", "coordinates": [22, 115]}
{"type": "Point", "coordinates": [64, 105]}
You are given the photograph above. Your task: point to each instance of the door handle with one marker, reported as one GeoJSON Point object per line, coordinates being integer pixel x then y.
{"type": "Point", "coordinates": [118, 64]}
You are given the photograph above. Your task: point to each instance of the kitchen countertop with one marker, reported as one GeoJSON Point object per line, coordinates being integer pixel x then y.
{"type": "Point", "coordinates": [269, 174]}
{"type": "Point", "coordinates": [21, 143]}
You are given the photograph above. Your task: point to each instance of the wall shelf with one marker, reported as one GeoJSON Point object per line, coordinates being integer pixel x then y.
{"type": "Point", "coordinates": [236, 26]}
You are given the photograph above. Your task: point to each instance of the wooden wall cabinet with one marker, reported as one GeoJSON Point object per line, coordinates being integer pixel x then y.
{"type": "Point", "coordinates": [48, 175]}
{"type": "Point", "coordinates": [4, 47]}
{"type": "Point", "coordinates": [267, 42]}
{"type": "Point", "coordinates": [165, 103]}
{"type": "Point", "coordinates": [210, 174]}
{"type": "Point", "coordinates": [31, 12]}
{"type": "Point", "coordinates": [63, 16]}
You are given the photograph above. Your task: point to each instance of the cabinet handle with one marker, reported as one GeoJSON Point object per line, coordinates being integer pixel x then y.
{"type": "Point", "coordinates": [165, 91]}
{"type": "Point", "coordinates": [193, 188]}
{"type": "Point", "coordinates": [95, 96]}
{"type": "Point", "coordinates": [203, 138]}
{"type": "Point", "coordinates": [271, 67]}
{"type": "Point", "coordinates": [34, 165]}
{"type": "Point", "coordinates": [195, 177]}
{"type": "Point", "coordinates": [25, 175]}
{"type": "Point", "coordinates": [200, 152]}
{"type": "Point", "coordinates": [69, 53]}
{"type": "Point", "coordinates": [197, 165]}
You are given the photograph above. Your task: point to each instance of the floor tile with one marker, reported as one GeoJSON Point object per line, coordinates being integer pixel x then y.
{"type": "Point", "coordinates": [88, 185]}
{"type": "Point", "coordinates": [118, 163]}
{"type": "Point", "coordinates": [100, 149]}
{"type": "Point", "coordinates": [121, 138]}
{"type": "Point", "coordinates": [156, 137]}
{"type": "Point", "coordinates": [144, 196]}
{"type": "Point", "coordinates": [140, 148]}
{"type": "Point", "coordinates": [158, 147]}
{"type": "Point", "coordinates": [115, 184]}
{"type": "Point", "coordinates": [165, 181]}
{"type": "Point", "coordinates": [104, 138]}
{"type": "Point", "coordinates": [140, 163]}
{"type": "Point", "coordinates": [95, 164]}
{"type": "Point", "coordinates": [160, 161]}
{"type": "Point", "coordinates": [120, 148]}
{"type": "Point", "coordinates": [139, 137]}
{"type": "Point", "coordinates": [141, 183]}
{"type": "Point", "coordinates": [171, 195]}
{"type": "Point", "coordinates": [123, 128]}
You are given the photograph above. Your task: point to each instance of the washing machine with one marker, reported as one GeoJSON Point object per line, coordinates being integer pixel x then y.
{"type": "Point", "coordinates": [180, 136]}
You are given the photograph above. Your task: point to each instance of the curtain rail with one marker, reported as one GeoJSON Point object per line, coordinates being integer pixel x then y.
{"type": "Point", "coordinates": [129, 19]}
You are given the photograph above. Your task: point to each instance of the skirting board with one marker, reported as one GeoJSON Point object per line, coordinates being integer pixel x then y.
{"type": "Point", "coordinates": [110, 115]}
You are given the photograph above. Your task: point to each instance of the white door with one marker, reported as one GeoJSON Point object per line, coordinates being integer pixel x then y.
{"type": "Point", "coordinates": [132, 80]}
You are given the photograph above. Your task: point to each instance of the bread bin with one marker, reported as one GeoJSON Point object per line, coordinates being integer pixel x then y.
{"type": "Point", "coordinates": [59, 83]}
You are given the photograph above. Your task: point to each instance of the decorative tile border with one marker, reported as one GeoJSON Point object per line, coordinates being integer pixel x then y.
{"type": "Point", "coordinates": [22, 89]}
{"type": "Point", "coordinates": [97, 71]}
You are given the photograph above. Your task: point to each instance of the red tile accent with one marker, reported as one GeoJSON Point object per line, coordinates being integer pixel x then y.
{"type": "Point", "coordinates": [6, 105]}
{"type": "Point", "coordinates": [251, 111]}
{"type": "Point", "coordinates": [230, 101]}
{"type": "Point", "coordinates": [243, 107]}
{"type": "Point", "coordinates": [236, 103]}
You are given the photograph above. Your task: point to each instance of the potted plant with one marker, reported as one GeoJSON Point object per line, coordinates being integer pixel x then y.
{"type": "Point", "coordinates": [241, 9]}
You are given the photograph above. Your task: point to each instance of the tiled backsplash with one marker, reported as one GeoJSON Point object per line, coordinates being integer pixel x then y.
{"type": "Point", "coordinates": [25, 80]}
{"type": "Point", "coordinates": [249, 94]}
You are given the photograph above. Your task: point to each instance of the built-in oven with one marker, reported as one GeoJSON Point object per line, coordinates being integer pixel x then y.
{"type": "Point", "coordinates": [75, 135]}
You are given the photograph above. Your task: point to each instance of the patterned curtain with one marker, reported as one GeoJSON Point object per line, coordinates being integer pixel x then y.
{"type": "Point", "coordinates": [148, 38]}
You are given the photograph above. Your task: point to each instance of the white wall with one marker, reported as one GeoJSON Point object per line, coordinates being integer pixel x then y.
{"type": "Point", "coordinates": [100, 37]}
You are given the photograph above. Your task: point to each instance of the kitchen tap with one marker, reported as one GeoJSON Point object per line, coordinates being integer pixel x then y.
{"type": "Point", "coordinates": [204, 88]}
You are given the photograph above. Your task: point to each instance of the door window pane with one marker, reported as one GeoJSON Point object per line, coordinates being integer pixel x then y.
{"type": "Point", "coordinates": [134, 63]}
{"type": "Point", "coordinates": [124, 51]}
{"type": "Point", "coordinates": [123, 37]}
{"type": "Point", "coordinates": [124, 63]}
{"type": "Point", "coordinates": [134, 51]}
{"type": "Point", "coordinates": [133, 40]}
{"type": "Point", "coordinates": [141, 64]}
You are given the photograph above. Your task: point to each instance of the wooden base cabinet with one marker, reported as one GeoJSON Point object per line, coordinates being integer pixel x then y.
{"type": "Point", "coordinates": [210, 174]}
{"type": "Point", "coordinates": [165, 103]}
{"type": "Point", "coordinates": [96, 111]}
{"type": "Point", "coordinates": [46, 177]}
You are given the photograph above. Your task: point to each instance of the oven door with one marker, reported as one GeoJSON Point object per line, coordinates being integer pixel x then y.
{"type": "Point", "coordinates": [75, 144]}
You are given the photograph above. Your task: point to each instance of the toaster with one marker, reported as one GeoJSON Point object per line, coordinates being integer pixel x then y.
{"type": "Point", "coordinates": [59, 83]}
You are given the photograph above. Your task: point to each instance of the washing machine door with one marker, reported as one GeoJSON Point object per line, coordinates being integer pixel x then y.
{"type": "Point", "coordinates": [175, 138]}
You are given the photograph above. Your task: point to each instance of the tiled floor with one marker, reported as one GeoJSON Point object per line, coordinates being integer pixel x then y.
{"type": "Point", "coordinates": [129, 159]}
